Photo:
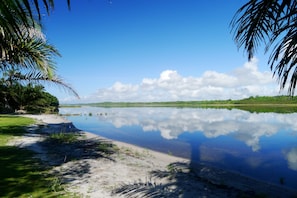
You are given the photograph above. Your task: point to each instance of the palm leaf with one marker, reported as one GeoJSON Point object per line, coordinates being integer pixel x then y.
{"type": "Point", "coordinates": [254, 25]}
{"type": "Point", "coordinates": [273, 23]}
{"type": "Point", "coordinates": [30, 52]}
{"type": "Point", "coordinates": [21, 47]}
{"type": "Point", "coordinates": [27, 13]}
{"type": "Point", "coordinates": [40, 78]}
{"type": "Point", "coordinates": [33, 56]}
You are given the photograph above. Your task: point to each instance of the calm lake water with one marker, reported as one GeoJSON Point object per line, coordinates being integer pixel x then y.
{"type": "Point", "coordinates": [260, 145]}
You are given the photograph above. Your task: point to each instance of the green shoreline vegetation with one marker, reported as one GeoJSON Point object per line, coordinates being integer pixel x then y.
{"type": "Point", "coordinates": [277, 104]}
{"type": "Point", "coordinates": [23, 175]}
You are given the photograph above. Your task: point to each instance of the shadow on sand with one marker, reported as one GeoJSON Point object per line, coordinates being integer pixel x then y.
{"type": "Point", "coordinates": [64, 142]}
{"type": "Point", "coordinates": [194, 179]}
{"type": "Point", "coordinates": [61, 143]}
{"type": "Point", "coordinates": [185, 180]}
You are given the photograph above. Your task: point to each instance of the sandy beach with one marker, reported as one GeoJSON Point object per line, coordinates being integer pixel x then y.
{"type": "Point", "coordinates": [131, 171]}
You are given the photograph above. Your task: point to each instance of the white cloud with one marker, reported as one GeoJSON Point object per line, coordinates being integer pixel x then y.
{"type": "Point", "coordinates": [118, 87]}
{"type": "Point", "coordinates": [243, 82]}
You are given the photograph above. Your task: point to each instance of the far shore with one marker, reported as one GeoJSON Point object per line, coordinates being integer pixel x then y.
{"type": "Point", "coordinates": [134, 171]}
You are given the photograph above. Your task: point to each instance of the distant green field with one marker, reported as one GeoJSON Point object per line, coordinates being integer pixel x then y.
{"type": "Point", "coordinates": [280, 104]}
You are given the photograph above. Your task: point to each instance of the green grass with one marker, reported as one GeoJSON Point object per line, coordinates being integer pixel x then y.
{"type": "Point", "coordinates": [64, 137]}
{"type": "Point", "coordinates": [22, 175]}
{"type": "Point", "coordinates": [11, 126]}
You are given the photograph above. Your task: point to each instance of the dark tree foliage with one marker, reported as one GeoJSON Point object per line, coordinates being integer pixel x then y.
{"type": "Point", "coordinates": [29, 98]}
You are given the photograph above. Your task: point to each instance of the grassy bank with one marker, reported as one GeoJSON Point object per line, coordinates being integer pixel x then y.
{"type": "Point", "coordinates": [279, 104]}
{"type": "Point", "coordinates": [21, 174]}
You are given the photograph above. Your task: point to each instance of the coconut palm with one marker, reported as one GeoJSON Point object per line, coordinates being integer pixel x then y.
{"type": "Point", "coordinates": [30, 58]}
{"type": "Point", "coordinates": [272, 22]}
{"type": "Point", "coordinates": [23, 46]}
{"type": "Point", "coordinates": [19, 16]}
{"type": "Point", "coordinates": [14, 13]}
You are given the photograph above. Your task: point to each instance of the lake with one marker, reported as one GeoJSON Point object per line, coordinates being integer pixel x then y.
{"type": "Point", "coordinates": [260, 145]}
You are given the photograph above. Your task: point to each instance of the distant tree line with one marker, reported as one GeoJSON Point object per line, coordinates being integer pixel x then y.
{"type": "Point", "coordinates": [29, 98]}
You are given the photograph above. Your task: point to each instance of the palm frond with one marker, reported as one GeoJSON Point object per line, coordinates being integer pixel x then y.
{"type": "Point", "coordinates": [284, 59]}
{"type": "Point", "coordinates": [27, 13]}
{"type": "Point", "coordinates": [30, 52]}
{"type": "Point", "coordinates": [33, 56]}
{"type": "Point", "coordinates": [40, 78]}
{"type": "Point", "coordinates": [23, 45]}
{"type": "Point", "coordinates": [273, 23]}
{"type": "Point", "coordinates": [253, 23]}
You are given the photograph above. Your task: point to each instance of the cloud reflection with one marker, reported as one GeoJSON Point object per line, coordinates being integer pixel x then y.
{"type": "Point", "coordinates": [241, 125]}
{"type": "Point", "coordinates": [213, 123]}
{"type": "Point", "coordinates": [292, 158]}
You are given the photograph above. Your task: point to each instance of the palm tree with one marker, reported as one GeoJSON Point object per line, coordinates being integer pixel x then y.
{"type": "Point", "coordinates": [23, 45]}
{"type": "Point", "coordinates": [272, 22]}
{"type": "Point", "coordinates": [18, 17]}
{"type": "Point", "coordinates": [30, 58]}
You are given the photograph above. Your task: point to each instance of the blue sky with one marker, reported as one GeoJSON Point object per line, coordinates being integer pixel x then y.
{"type": "Point", "coordinates": [153, 50]}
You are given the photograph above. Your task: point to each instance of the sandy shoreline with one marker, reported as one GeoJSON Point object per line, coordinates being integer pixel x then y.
{"type": "Point", "coordinates": [137, 172]}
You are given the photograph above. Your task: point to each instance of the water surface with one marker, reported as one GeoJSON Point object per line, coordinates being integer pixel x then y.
{"type": "Point", "coordinates": [261, 145]}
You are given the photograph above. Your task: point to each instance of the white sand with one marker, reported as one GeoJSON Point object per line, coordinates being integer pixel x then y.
{"type": "Point", "coordinates": [48, 118]}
